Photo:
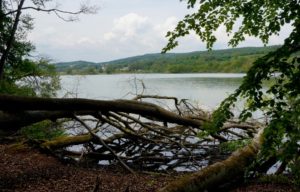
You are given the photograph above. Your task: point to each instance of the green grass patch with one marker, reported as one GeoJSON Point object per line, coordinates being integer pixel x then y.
{"type": "Point", "coordinates": [45, 130]}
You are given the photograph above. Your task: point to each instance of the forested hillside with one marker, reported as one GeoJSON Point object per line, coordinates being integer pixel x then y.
{"type": "Point", "coordinates": [236, 60]}
{"type": "Point", "coordinates": [77, 67]}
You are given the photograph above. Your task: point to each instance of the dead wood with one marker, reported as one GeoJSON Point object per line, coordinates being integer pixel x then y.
{"type": "Point", "coordinates": [135, 133]}
{"type": "Point", "coordinates": [13, 104]}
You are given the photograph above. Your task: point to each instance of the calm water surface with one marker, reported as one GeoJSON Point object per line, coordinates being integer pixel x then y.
{"type": "Point", "coordinates": [206, 89]}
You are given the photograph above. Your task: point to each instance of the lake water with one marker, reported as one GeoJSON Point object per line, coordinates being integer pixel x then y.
{"type": "Point", "coordinates": [206, 89]}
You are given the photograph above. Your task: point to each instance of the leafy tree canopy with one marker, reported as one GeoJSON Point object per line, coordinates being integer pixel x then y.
{"type": "Point", "coordinates": [20, 72]}
{"type": "Point", "coordinates": [258, 18]}
{"type": "Point", "coordinates": [280, 102]}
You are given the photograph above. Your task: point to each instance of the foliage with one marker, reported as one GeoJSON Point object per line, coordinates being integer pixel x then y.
{"type": "Point", "coordinates": [31, 78]}
{"type": "Point", "coordinates": [232, 146]}
{"type": "Point", "coordinates": [45, 130]}
{"type": "Point", "coordinates": [19, 72]}
{"type": "Point", "coordinates": [280, 102]}
{"type": "Point", "coordinates": [258, 18]}
{"type": "Point", "coordinates": [295, 167]}
{"type": "Point", "coordinates": [24, 75]}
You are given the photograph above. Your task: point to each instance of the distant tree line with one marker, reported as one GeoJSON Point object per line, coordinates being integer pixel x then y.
{"type": "Point", "coordinates": [223, 61]}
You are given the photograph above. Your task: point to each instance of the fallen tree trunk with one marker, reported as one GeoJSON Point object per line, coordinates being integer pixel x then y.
{"type": "Point", "coordinates": [133, 132]}
{"type": "Point", "coordinates": [214, 176]}
{"type": "Point", "coordinates": [11, 121]}
{"type": "Point", "coordinates": [67, 141]}
{"type": "Point", "coordinates": [14, 104]}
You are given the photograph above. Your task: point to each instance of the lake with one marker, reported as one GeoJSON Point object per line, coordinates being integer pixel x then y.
{"type": "Point", "coordinates": [206, 89]}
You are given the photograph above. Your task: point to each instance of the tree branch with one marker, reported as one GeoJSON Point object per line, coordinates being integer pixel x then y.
{"type": "Point", "coordinates": [82, 10]}
{"type": "Point", "coordinates": [103, 143]}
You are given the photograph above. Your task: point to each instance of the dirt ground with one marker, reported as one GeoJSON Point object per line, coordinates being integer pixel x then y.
{"type": "Point", "coordinates": [29, 170]}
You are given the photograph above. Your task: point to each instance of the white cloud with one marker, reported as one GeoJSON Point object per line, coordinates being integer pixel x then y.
{"type": "Point", "coordinates": [127, 27]}
{"type": "Point", "coordinates": [135, 33]}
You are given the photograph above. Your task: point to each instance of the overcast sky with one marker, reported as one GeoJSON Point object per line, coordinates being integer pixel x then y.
{"type": "Point", "coordinates": [121, 28]}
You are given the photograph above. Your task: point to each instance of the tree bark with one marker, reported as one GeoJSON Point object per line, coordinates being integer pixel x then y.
{"type": "Point", "coordinates": [12, 121]}
{"type": "Point", "coordinates": [13, 104]}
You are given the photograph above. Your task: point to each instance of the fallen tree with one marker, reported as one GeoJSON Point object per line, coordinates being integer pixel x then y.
{"type": "Point", "coordinates": [140, 135]}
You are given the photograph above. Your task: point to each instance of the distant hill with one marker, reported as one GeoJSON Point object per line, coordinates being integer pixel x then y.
{"type": "Point", "coordinates": [237, 60]}
{"type": "Point", "coordinates": [66, 67]}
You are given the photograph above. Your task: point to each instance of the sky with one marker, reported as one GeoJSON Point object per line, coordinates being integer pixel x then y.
{"type": "Point", "coordinates": [120, 28]}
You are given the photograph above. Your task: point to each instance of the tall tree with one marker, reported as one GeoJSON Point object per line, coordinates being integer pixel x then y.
{"type": "Point", "coordinates": [15, 61]}
{"type": "Point", "coordinates": [11, 37]}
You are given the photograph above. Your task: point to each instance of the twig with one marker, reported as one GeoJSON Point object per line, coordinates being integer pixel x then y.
{"type": "Point", "coordinates": [176, 103]}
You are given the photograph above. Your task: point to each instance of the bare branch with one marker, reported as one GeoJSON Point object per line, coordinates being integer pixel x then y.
{"type": "Point", "coordinates": [103, 143]}
{"type": "Point", "coordinates": [84, 9]}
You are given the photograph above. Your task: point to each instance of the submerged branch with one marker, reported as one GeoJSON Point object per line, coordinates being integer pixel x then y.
{"type": "Point", "coordinates": [218, 174]}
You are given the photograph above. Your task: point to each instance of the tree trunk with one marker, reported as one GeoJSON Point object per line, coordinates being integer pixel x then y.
{"type": "Point", "coordinates": [15, 104]}
{"type": "Point", "coordinates": [12, 121]}
{"type": "Point", "coordinates": [10, 39]}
